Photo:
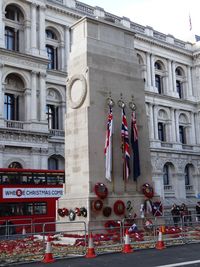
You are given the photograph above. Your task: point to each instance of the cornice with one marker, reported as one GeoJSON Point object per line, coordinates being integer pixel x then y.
{"type": "Point", "coordinates": [164, 45]}
{"type": "Point", "coordinates": [64, 10]}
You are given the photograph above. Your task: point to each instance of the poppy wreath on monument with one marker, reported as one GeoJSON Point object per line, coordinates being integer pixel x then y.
{"type": "Point", "coordinates": [72, 215]}
{"type": "Point", "coordinates": [157, 209]}
{"type": "Point", "coordinates": [107, 211]}
{"type": "Point", "coordinates": [112, 226]}
{"type": "Point", "coordinates": [63, 212]}
{"type": "Point", "coordinates": [97, 205]}
{"type": "Point", "coordinates": [83, 212]}
{"type": "Point", "coordinates": [119, 207]}
{"type": "Point", "coordinates": [147, 190]}
{"type": "Point", "coordinates": [101, 190]}
{"type": "Point", "coordinates": [77, 211]}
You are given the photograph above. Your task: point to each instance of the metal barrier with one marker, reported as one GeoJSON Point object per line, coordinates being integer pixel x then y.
{"type": "Point", "coordinates": [71, 238]}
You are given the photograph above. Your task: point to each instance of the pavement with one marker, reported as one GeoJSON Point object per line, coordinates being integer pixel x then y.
{"type": "Point", "coordinates": [185, 255]}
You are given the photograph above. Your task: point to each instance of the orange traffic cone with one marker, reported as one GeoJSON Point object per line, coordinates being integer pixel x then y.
{"type": "Point", "coordinates": [48, 257]}
{"type": "Point", "coordinates": [90, 251]}
{"type": "Point", "coordinates": [23, 230]}
{"type": "Point", "coordinates": [127, 247]}
{"type": "Point", "coordinates": [160, 243]}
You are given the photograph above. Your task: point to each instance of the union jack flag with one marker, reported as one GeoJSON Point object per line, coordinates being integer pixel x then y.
{"type": "Point", "coordinates": [135, 148]}
{"type": "Point", "coordinates": [125, 146]}
{"type": "Point", "coordinates": [108, 146]}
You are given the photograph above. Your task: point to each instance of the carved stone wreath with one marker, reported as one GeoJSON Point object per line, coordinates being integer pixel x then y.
{"type": "Point", "coordinates": [76, 103]}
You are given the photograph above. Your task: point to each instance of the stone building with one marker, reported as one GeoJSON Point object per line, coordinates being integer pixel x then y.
{"type": "Point", "coordinates": [34, 46]}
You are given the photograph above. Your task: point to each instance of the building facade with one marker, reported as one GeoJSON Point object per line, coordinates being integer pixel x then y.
{"type": "Point", "coordinates": [34, 47]}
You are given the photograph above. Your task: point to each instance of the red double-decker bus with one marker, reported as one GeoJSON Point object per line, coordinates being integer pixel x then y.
{"type": "Point", "coordinates": [28, 196]}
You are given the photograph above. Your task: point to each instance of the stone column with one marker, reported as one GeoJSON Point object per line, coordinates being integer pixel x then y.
{"type": "Point", "coordinates": [155, 119]}
{"type": "Point", "coordinates": [67, 47]}
{"type": "Point", "coordinates": [174, 79]}
{"type": "Point", "coordinates": [33, 29]}
{"type": "Point", "coordinates": [177, 125]}
{"type": "Point", "coordinates": [148, 71]}
{"type": "Point", "coordinates": [27, 35]}
{"type": "Point", "coordinates": [61, 57]}
{"type": "Point", "coordinates": [1, 92]}
{"type": "Point", "coordinates": [192, 133]}
{"type": "Point", "coordinates": [42, 96]}
{"type": "Point", "coordinates": [189, 78]}
{"type": "Point", "coordinates": [2, 149]}
{"type": "Point", "coordinates": [151, 121]}
{"type": "Point", "coordinates": [173, 126]}
{"type": "Point", "coordinates": [33, 96]}
{"type": "Point", "coordinates": [170, 79]}
{"type": "Point", "coordinates": [42, 33]}
{"type": "Point", "coordinates": [28, 104]}
{"type": "Point", "coordinates": [152, 72]}
{"type": "Point", "coordinates": [197, 127]}
{"type": "Point", "coordinates": [2, 44]}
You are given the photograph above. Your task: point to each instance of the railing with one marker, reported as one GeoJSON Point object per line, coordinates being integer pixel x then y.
{"type": "Point", "coordinates": [188, 147]}
{"type": "Point", "coordinates": [168, 187]}
{"type": "Point", "coordinates": [57, 133]}
{"type": "Point", "coordinates": [165, 144]}
{"type": "Point", "coordinates": [85, 8]}
{"type": "Point", "coordinates": [15, 124]}
{"type": "Point", "coordinates": [189, 187]}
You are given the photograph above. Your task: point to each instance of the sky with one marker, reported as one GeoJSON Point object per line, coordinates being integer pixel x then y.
{"type": "Point", "coordinates": [166, 16]}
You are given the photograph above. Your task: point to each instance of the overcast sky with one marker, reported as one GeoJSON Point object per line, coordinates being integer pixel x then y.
{"type": "Point", "coordinates": [166, 16]}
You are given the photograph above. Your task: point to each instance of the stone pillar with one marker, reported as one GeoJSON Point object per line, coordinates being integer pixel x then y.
{"type": "Point", "coordinates": [42, 96]}
{"type": "Point", "coordinates": [173, 126]}
{"type": "Point", "coordinates": [67, 47]}
{"type": "Point", "coordinates": [151, 121]}
{"type": "Point", "coordinates": [177, 125]}
{"type": "Point", "coordinates": [149, 84]}
{"type": "Point", "coordinates": [2, 149]}
{"type": "Point", "coordinates": [42, 33]}
{"type": "Point", "coordinates": [155, 119]}
{"type": "Point", "coordinates": [1, 92]}
{"type": "Point", "coordinates": [2, 26]}
{"type": "Point", "coordinates": [174, 79]}
{"type": "Point", "coordinates": [189, 78]}
{"type": "Point", "coordinates": [34, 48]}
{"type": "Point", "coordinates": [27, 35]}
{"type": "Point", "coordinates": [170, 78]}
{"type": "Point", "coordinates": [28, 104]}
{"type": "Point", "coordinates": [192, 134]}
{"type": "Point", "coordinates": [61, 57]}
{"type": "Point", "coordinates": [152, 72]}
{"type": "Point", "coordinates": [33, 96]}
{"type": "Point", "coordinates": [197, 127]}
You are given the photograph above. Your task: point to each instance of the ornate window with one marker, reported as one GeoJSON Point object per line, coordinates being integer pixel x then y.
{"type": "Point", "coordinates": [161, 132]}
{"type": "Point", "coordinates": [14, 98]}
{"type": "Point", "coordinates": [53, 163]}
{"type": "Point", "coordinates": [166, 174]}
{"type": "Point", "coordinates": [15, 165]}
{"type": "Point", "coordinates": [52, 45]}
{"type": "Point", "coordinates": [52, 116]}
{"type": "Point", "coordinates": [179, 82]}
{"type": "Point", "coordinates": [14, 28]}
{"type": "Point", "coordinates": [159, 76]}
{"type": "Point", "coordinates": [182, 134]}
{"type": "Point", "coordinates": [187, 174]}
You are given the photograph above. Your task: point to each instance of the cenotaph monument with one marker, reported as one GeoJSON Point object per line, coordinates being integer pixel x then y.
{"type": "Point", "coordinates": [102, 69]}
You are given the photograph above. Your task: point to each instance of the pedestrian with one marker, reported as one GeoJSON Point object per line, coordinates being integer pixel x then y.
{"type": "Point", "coordinates": [175, 211]}
{"type": "Point", "coordinates": [198, 211]}
{"type": "Point", "coordinates": [184, 213]}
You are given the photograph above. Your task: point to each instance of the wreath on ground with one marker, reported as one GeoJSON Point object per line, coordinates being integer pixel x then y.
{"type": "Point", "coordinates": [112, 226]}
{"type": "Point", "coordinates": [147, 190]}
{"type": "Point", "coordinates": [119, 207]}
{"type": "Point", "coordinates": [101, 190]}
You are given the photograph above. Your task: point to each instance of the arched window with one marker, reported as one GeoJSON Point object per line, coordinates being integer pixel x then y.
{"type": "Point", "coordinates": [179, 82]}
{"type": "Point", "coordinates": [161, 132]}
{"type": "Point", "coordinates": [14, 98]}
{"type": "Point", "coordinates": [52, 116]}
{"type": "Point", "coordinates": [52, 163]}
{"type": "Point", "coordinates": [182, 134]}
{"type": "Point", "coordinates": [15, 165]}
{"type": "Point", "coordinates": [159, 76]}
{"type": "Point", "coordinates": [52, 46]}
{"type": "Point", "coordinates": [14, 28]}
{"type": "Point", "coordinates": [187, 175]}
{"type": "Point", "coordinates": [166, 174]}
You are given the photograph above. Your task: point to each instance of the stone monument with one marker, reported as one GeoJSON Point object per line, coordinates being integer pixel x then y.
{"type": "Point", "coordinates": [102, 64]}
